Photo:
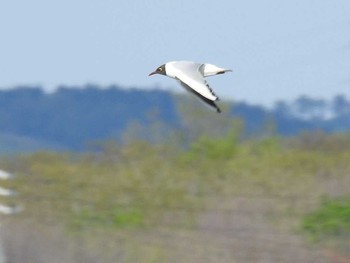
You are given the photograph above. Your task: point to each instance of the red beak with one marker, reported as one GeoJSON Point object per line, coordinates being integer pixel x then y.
{"type": "Point", "coordinates": [152, 73]}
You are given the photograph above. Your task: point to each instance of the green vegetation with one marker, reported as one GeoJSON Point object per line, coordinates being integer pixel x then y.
{"type": "Point", "coordinates": [332, 218]}
{"type": "Point", "coordinates": [130, 191]}
{"type": "Point", "coordinates": [330, 223]}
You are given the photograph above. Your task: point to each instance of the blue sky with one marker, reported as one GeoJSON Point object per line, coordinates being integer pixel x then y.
{"type": "Point", "coordinates": [277, 49]}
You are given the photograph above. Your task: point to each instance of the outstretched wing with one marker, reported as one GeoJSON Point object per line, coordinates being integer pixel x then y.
{"type": "Point", "coordinates": [205, 99]}
{"type": "Point", "coordinates": [190, 75]}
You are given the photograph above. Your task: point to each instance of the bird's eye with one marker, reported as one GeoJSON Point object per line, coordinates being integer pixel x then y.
{"type": "Point", "coordinates": [160, 69]}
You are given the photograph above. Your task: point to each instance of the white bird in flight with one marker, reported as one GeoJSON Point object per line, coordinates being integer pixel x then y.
{"type": "Point", "coordinates": [191, 76]}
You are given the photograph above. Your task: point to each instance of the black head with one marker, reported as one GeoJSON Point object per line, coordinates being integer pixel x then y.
{"type": "Point", "coordinates": [159, 70]}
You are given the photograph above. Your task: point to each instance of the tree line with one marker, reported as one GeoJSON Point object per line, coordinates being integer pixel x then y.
{"type": "Point", "coordinates": [72, 116]}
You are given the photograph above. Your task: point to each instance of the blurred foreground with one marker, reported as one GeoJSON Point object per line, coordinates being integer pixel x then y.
{"type": "Point", "coordinates": [215, 199]}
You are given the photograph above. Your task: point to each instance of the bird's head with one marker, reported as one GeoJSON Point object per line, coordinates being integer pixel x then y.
{"type": "Point", "coordinates": [159, 70]}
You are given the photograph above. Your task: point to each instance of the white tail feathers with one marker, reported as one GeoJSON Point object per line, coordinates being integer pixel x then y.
{"type": "Point", "coordinates": [211, 70]}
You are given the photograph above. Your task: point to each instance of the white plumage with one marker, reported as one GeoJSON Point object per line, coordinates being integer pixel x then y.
{"type": "Point", "coordinates": [191, 76]}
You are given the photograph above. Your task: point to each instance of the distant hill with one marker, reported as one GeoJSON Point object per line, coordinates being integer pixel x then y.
{"type": "Point", "coordinates": [13, 144]}
{"type": "Point", "coordinates": [70, 117]}
{"type": "Point", "coordinates": [31, 119]}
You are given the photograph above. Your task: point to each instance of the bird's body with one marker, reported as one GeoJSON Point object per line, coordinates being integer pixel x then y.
{"type": "Point", "coordinates": [191, 76]}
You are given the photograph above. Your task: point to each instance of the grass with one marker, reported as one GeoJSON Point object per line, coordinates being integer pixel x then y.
{"type": "Point", "coordinates": [332, 218]}
{"type": "Point", "coordinates": [330, 224]}
{"type": "Point", "coordinates": [131, 190]}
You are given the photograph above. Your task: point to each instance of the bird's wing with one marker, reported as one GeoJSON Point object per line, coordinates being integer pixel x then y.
{"type": "Point", "coordinates": [190, 89]}
{"type": "Point", "coordinates": [190, 76]}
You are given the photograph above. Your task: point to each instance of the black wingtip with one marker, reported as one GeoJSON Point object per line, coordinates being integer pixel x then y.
{"type": "Point", "coordinates": [224, 71]}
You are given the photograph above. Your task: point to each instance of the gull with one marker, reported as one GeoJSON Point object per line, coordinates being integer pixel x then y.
{"type": "Point", "coordinates": [191, 76]}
